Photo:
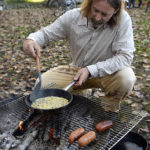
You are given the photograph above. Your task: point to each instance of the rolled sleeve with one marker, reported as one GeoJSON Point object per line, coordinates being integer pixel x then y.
{"type": "Point", "coordinates": [93, 70]}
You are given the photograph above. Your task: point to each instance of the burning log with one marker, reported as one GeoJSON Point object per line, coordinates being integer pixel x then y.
{"type": "Point", "coordinates": [46, 136]}
{"type": "Point", "coordinates": [29, 139]}
{"type": "Point", "coordinates": [42, 125]}
{"type": "Point", "coordinates": [7, 142]}
{"type": "Point", "coordinates": [46, 131]}
{"type": "Point", "coordinates": [20, 125]}
{"type": "Point", "coordinates": [51, 132]}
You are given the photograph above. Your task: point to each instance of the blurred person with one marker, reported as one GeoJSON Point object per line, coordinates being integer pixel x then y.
{"type": "Point", "coordinates": [100, 35]}
{"type": "Point", "coordinates": [131, 2]}
{"type": "Point", "coordinates": [140, 3]}
{"type": "Point", "coordinates": [126, 3]}
{"type": "Point", "coordinates": [147, 6]}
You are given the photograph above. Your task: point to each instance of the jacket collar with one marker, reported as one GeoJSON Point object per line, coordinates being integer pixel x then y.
{"type": "Point", "coordinates": [83, 21]}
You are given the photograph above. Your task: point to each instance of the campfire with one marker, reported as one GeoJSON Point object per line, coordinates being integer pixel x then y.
{"type": "Point", "coordinates": [50, 129]}
{"type": "Point", "coordinates": [20, 125]}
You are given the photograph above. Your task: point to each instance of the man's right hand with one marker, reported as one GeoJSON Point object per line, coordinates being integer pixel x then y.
{"type": "Point", "coordinates": [31, 48]}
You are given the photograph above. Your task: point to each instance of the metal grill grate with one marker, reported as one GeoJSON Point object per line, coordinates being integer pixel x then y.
{"type": "Point", "coordinates": [87, 113]}
{"type": "Point", "coordinates": [17, 108]}
{"type": "Point", "coordinates": [82, 112]}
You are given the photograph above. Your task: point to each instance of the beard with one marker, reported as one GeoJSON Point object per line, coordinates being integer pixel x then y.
{"type": "Point", "coordinates": [96, 23]}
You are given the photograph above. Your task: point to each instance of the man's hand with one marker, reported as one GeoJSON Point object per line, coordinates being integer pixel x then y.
{"type": "Point", "coordinates": [31, 48]}
{"type": "Point", "coordinates": [81, 76]}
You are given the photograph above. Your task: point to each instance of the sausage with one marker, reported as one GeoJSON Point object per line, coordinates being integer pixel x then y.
{"type": "Point", "coordinates": [75, 135]}
{"type": "Point", "coordinates": [87, 138]}
{"type": "Point", "coordinates": [104, 125]}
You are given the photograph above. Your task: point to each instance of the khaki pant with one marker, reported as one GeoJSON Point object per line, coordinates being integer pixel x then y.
{"type": "Point", "coordinates": [116, 86]}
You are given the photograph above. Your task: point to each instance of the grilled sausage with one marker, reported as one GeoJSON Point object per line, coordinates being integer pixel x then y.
{"type": "Point", "coordinates": [104, 125]}
{"type": "Point", "coordinates": [87, 138]}
{"type": "Point", "coordinates": [75, 135]}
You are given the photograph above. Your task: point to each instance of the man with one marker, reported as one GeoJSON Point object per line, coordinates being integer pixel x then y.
{"type": "Point", "coordinates": [101, 39]}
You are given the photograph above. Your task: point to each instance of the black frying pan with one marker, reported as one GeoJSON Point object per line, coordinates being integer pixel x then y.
{"type": "Point", "coordinates": [52, 92]}
{"type": "Point", "coordinates": [132, 141]}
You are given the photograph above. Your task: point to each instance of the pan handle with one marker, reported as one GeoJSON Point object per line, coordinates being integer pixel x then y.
{"type": "Point", "coordinates": [70, 85]}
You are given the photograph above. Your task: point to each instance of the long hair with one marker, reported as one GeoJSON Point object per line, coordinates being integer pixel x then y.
{"type": "Point", "coordinates": [118, 5]}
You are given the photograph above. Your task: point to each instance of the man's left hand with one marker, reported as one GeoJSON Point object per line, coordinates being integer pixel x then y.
{"type": "Point", "coordinates": [81, 76]}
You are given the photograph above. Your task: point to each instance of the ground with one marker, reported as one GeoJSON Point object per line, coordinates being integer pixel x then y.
{"type": "Point", "coordinates": [18, 70]}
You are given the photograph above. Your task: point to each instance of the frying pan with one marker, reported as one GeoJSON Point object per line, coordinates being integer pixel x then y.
{"type": "Point", "coordinates": [132, 141]}
{"type": "Point", "coordinates": [52, 92]}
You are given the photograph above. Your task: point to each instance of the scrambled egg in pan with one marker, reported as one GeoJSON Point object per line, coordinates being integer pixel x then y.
{"type": "Point", "coordinates": [49, 102]}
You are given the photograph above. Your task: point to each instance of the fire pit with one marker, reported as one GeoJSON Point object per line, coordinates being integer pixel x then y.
{"type": "Point", "coordinates": [22, 128]}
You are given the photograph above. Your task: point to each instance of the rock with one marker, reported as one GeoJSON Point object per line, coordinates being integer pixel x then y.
{"type": "Point", "coordinates": [139, 77]}
{"type": "Point", "coordinates": [144, 129]}
{"type": "Point", "coordinates": [147, 108]}
{"type": "Point", "coordinates": [137, 106]}
{"type": "Point", "coordinates": [128, 101]}
{"type": "Point", "coordinates": [146, 103]}
{"type": "Point", "coordinates": [138, 87]}
{"type": "Point", "coordinates": [97, 94]}
{"type": "Point", "coordinates": [137, 94]}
